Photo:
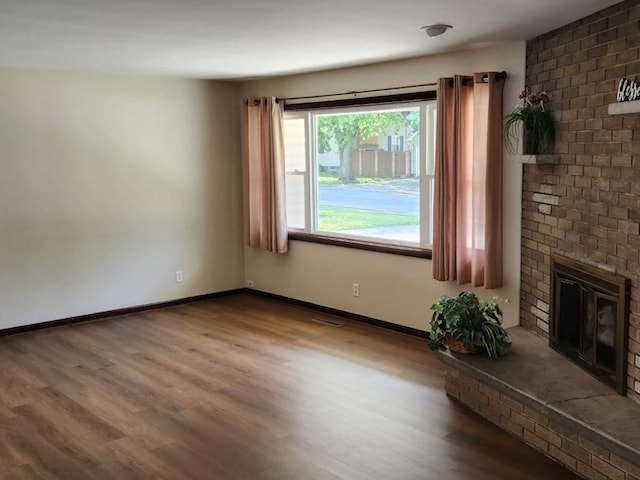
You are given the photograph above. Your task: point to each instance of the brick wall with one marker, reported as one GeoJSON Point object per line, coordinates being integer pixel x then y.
{"type": "Point", "coordinates": [586, 207]}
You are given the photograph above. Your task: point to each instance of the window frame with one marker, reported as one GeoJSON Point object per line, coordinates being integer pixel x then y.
{"type": "Point", "coordinates": [310, 233]}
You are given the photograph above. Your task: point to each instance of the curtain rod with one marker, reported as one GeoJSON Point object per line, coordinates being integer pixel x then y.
{"type": "Point", "coordinates": [356, 92]}
{"type": "Point", "coordinates": [500, 75]}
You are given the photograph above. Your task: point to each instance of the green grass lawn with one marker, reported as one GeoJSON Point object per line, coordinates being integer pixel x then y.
{"type": "Point", "coordinates": [341, 218]}
{"type": "Point", "coordinates": [325, 178]}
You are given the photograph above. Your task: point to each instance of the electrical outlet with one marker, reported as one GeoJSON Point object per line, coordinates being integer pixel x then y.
{"type": "Point", "coordinates": [179, 277]}
{"type": "Point", "coordinates": [250, 284]}
{"type": "Point", "coordinates": [356, 289]}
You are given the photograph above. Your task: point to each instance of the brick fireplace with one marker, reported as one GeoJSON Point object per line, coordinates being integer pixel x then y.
{"type": "Point", "coordinates": [587, 206]}
{"type": "Point", "coordinates": [580, 263]}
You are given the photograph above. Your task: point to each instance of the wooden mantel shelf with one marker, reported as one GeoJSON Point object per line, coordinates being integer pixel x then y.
{"type": "Point", "coordinates": [621, 108]}
{"type": "Point", "coordinates": [538, 159]}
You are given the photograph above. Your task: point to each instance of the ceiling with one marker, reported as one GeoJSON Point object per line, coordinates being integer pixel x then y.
{"type": "Point", "coordinates": [230, 39]}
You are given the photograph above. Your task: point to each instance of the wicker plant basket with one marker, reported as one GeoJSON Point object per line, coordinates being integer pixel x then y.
{"type": "Point", "coordinates": [456, 346]}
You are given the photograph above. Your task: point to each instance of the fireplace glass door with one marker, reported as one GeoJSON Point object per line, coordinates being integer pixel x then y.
{"type": "Point", "coordinates": [589, 324]}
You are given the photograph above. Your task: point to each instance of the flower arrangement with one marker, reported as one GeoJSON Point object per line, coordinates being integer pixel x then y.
{"type": "Point", "coordinates": [532, 123]}
{"type": "Point", "coordinates": [533, 100]}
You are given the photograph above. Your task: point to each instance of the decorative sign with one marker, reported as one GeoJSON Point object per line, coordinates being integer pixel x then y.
{"type": "Point", "coordinates": [628, 90]}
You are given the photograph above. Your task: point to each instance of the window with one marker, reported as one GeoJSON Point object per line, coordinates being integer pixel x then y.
{"type": "Point", "coordinates": [362, 173]}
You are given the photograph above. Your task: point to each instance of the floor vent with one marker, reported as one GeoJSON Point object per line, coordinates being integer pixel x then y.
{"type": "Point", "coordinates": [326, 321]}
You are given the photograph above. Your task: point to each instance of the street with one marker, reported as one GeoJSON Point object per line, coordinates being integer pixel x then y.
{"type": "Point", "coordinates": [401, 196]}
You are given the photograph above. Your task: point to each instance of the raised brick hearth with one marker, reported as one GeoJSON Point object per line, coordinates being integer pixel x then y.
{"type": "Point", "coordinates": [586, 207]}
{"type": "Point", "coordinates": [551, 404]}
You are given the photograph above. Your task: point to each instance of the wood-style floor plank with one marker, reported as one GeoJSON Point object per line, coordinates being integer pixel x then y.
{"type": "Point", "coordinates": [240, 388]}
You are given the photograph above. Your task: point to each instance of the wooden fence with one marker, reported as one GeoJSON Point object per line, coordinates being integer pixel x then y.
{"type": "Point", "coordinates": [379, 163]}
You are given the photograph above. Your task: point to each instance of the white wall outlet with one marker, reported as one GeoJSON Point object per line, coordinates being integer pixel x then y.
{"type": "Point", "coordinates": [250, 284]}
{"type": "Point", "coordinates": [356, 289]}
{"type": "Point", "coordinates": [179, 277]}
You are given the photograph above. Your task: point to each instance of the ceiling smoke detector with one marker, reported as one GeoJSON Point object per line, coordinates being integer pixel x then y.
{"type": "Point", "coordinates": [435, 30]}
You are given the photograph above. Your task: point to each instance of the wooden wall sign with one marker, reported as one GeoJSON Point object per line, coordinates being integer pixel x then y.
{"type": "Point", "coordinates": [628, 90]}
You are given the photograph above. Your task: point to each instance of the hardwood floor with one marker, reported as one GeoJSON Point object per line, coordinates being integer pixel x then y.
{"type": "Point", "coordinates": [240, 387]}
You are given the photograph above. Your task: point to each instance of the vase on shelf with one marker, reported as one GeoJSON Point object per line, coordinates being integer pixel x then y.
{"type": "Point", "coordinates": [530, 142]}
{"type": "Point", "coordinates": [530, 126]}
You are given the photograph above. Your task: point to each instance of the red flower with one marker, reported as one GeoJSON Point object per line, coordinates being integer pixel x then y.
{"type": "Point", "coordinates": [533, 100]}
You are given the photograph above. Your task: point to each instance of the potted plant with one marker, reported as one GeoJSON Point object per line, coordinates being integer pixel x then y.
{"type": "Point", "coordinates": [532, 123]}
{"type": "Point", "coordinates": [468, 325]}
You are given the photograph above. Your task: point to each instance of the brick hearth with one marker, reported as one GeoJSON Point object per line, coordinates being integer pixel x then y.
{"type": "Point", "coordinates": [551, 404]}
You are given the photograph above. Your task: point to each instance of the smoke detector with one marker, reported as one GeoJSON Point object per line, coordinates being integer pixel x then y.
{"type": "Point", "coordinates": [435, 30]}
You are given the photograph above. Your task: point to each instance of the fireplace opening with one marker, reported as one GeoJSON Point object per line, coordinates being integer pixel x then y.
{"type": "Point", "coordinates": [590, 318]}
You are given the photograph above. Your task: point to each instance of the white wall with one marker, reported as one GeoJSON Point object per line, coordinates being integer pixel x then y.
{"type": "Point", "coordinates": [108, 185]}
{"type": "Point", "coordinates": [392, 288]}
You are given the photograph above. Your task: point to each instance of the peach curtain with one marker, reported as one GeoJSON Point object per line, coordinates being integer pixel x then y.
{"type": "Point", "coordinates": [264, 175]}
{"type": "Point", "coordinates": [467, 241]}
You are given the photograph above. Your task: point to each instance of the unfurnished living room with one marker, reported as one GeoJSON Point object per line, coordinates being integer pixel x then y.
{"type": "Point", "coordinates": [320, 240]}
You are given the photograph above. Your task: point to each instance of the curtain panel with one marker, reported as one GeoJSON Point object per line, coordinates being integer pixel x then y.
{"type": "Point", "coordinates": [264, 175]}
{"type": "Point", "coordinates": [467, 243]}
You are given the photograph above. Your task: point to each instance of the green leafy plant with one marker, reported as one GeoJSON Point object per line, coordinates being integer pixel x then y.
{"type": "Point", "coordinates": [476, 324]}
{"type": "Point", "coordinates": [531, 123]}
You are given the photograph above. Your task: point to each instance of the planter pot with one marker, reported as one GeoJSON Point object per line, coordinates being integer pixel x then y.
{"type": "Point", "coordinates": [456, 346]}
{"type": "Point", "coordinates": [530, 142]}
{"type": "Point", "coordinates": [534, 127]}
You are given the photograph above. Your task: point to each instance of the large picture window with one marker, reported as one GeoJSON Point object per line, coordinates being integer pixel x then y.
{"type": "Point", "coordinates": [362, 173]}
